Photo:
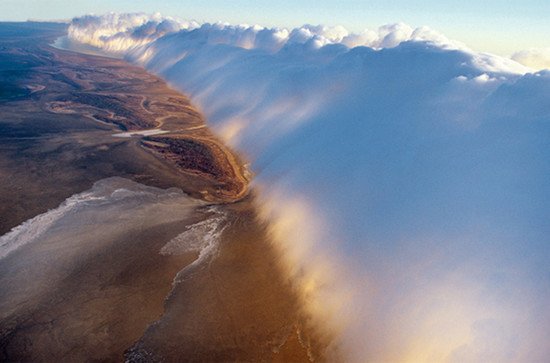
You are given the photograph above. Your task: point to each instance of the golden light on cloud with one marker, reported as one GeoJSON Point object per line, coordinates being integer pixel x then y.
{"type": "Point", "coordinates": [536, 58]}
{"type": "Point", "coordinates": [415, 314]}
{"type": "Point", "coordinates": [296, 232]}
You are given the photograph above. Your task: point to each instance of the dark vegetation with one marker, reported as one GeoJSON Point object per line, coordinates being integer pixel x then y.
{"type": "Point", "coordinates": [188, 154]}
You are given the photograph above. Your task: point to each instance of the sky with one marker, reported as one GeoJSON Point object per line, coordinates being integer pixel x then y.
{"type": "Point", "coordinates": [498, 26]}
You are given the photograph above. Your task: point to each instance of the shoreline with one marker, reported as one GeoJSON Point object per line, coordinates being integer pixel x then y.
{"type": "Point", "coordinates": [198, 132]}
{"type": "Point", "coordinates": [177, 121]}
{"type": "Point", "coordinates": [237, 305]}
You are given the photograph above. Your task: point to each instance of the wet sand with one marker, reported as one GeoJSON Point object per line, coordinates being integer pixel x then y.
{"type": "Point", "coordinates": [104, 292]}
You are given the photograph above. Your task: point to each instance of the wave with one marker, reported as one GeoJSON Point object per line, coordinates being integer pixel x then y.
{"type": "Point", "coordinates": [403, 174]}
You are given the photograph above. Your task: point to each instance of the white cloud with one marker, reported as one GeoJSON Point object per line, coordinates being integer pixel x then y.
{"type": "Point", "coordinates": [120, 32]}
{"type": "Point", "coordinates": [420, 163]}
{"type": "Point", "coordinates": [536, 58]}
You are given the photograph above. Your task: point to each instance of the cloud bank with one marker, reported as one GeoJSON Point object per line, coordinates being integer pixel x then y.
{"type": "Point", "coordinates": [537, 58]}
{"type": "Point", "coordinates": [404, 175]}
{"type": "Point", "coordinates": [122, 32]}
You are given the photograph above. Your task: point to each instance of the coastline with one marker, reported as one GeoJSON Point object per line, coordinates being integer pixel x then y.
{"type": "Point", "coordinates": [178, 122]}
{"type": "Point", "coordinates": [238, 306]}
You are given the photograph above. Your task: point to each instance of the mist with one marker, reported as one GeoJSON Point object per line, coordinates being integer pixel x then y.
{"type": "Point", "coordinates": [404, 175]}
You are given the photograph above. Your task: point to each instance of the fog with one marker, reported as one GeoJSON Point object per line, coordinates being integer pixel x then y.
{"type": "Point", "coordinates": [404, 175]}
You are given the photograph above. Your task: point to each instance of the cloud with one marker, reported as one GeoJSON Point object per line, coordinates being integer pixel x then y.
{"type": "Point", "coordinates": [536, 58]}
{"type": "Point", "coordinates": [121, 32]}
{"type": "Point", "coordinates": [404, 175]}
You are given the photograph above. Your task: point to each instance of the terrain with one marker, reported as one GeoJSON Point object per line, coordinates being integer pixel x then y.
{"type": "Point", "coordinates": [94, 285]}
{"type": "Point", "coordinates": [62, 99]}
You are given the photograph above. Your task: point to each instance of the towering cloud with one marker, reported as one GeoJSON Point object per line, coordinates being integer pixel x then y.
{"type": "Point", "coordinates": [122, 32]}
{"type": "Point", "coordinates": [404, 175]}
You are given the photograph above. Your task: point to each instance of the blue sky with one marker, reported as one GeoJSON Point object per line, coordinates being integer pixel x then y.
{"type": "Point", "coordinates": [490, 25]}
